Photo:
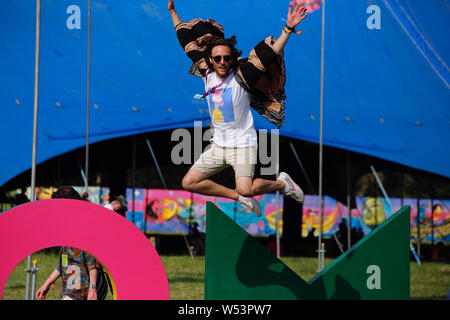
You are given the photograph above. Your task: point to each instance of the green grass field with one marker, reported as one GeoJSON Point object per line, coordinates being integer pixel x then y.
{"type": "Point", "coordinates": [430, 281]}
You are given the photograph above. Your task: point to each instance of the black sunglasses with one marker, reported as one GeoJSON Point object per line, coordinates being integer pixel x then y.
{"type": "Point", "coordinates": [226, 58]}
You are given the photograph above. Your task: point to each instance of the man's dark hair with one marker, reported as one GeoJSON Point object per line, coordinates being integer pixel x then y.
{"type": "Point", "coordinates": [67, 192]}
{"type": "Point", "coordinates": [215, 41]}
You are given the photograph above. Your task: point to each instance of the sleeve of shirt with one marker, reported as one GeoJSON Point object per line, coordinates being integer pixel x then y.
{"type": "Point", "coordinates": [262, 57]}
{"type": "Point", "coordinates": [190, 34]}
{"type": "Point", "coordinates": [58, 265]}
{"type": "Point", "coordinates": [263, 75]}
{"type": "Point", "coordinates": [91, 262]}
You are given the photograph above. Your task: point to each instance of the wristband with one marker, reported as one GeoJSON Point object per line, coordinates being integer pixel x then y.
{"type": "Point", "coordinates": [93, 286]}
{"type": "Point", "coordinates": [286, 34]}
{"type": "Point", "coordinates": [289, 28]}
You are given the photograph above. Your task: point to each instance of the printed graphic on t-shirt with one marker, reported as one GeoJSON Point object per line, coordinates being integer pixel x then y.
{"type": "Point", "coordinates": [73, 274]}
{"type": "Point", "coordinates": [74, 265]}
{"type": "Point", "coordinates": [221, 104]}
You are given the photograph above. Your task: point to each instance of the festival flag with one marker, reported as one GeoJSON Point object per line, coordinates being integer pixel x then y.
{"type": "Point", "coordinates": [311, 5]}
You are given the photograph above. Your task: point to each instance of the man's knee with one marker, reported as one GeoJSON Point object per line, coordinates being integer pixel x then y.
{"type": "Point", "coordinates": [244, 186]}
{"type": "Point", "coordinates": [191, 179]}
{"type": "Point", "coordinates": [187, 183]}
{"type": "Point", "coordinates": [244, 191]}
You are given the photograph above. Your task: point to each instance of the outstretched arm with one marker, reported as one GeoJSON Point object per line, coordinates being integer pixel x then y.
{"type": "Point", "coordinates": [175, 18]}
{"type": "Point", "coordinates": [42, 291]}
{"type": "Point", "coordinates": [293, 19]}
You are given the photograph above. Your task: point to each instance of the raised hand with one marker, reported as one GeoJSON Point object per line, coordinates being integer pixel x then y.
{"type": "Point", "coordinates": [171, 6]}
{"type": "Point", "coordinates": [173, 13]}
{"type": "Point", "coordinates": [296, 16]}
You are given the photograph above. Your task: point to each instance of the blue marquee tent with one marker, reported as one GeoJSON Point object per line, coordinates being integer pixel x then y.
{"type": "Point", "coordinates": [386, 91]}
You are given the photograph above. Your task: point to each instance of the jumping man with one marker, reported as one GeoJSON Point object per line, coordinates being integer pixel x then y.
{"type": "Point", "coordinates": [232, 85]}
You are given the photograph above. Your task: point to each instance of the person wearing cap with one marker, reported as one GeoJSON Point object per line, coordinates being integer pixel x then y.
{"type": "Point", "coordinates": [232, 85]}
{"type": "Point", "coordinates": [119, 205]}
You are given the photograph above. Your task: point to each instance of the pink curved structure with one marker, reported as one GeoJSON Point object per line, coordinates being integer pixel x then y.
{"type": "Point", "coordinates": [130, 258]}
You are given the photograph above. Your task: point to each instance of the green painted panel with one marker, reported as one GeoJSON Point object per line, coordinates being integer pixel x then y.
{"type": "Point", "coordinates": [377, 267]}
{"type": "Point", "coordinates": [237, 266]}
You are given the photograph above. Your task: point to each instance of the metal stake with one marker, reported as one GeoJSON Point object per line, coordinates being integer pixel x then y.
{"type": "Point", "coordinates": [33, 281]}
{"type": "Point", "coordinates": [88, 93]}
{"type": "Point", "coordinates": [321, 129]}
{"type": "Point", "coordinates": [35, 127]}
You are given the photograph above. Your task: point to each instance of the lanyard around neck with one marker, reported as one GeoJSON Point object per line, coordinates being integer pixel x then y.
{"type": "Point", "coordinates": [216, 86]}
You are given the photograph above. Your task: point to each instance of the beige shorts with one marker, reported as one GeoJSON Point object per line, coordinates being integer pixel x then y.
{"type": "Point", "coordinates": [216, 159]}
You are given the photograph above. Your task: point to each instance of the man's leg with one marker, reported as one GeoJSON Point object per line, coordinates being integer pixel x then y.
{"type": "Point", "coordinates": [196, 181]}
{"type": "Point", "coordinates": [263, 186]}
{"type": "Point", "coordinates": [210, 162]}
{"type": "Point", "coordinates": [249, 188]}
{"type": "Point", "coordinates": [244, 166]}
{"type": "Point", "coordinates": [243, 161]}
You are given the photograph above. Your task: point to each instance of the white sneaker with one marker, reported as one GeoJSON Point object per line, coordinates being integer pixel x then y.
{"type": "Point", "coordinates": [250, 205]}
{"type": "Point", "coordinates": [291, 189]}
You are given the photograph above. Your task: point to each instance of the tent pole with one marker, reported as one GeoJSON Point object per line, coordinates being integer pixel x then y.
{"type": "Point", "coordinates": [35, 124]}
{"type": "Point", "coordinates": [301, 167]}
{"type": "Point", "coordinates": [418, 215]}
{"type": "Point", "coordinates": [146, 200]}
{"type": "Point", "coordinates": [432, 211]}
{"type": "Point", "coordinates": [321, 137]}
{"type": "Point", "coordinates": [190, 213]}
{"type": "Point", "coordinates": [165, 187]}
{"type": "Point", "coordinates": [156, 163]}
{"type": "Point", "coordinates": [349, 214]}
{"type": "Point", "coordinates": [377, 178]}
{"type": "Point", "coordinates": [133, 177]}
{"type": "Point", "coordinates": [277, 221]}
{"type": "Point", "coordinates": [411, 247]}
{"type": "Point", "coordinates": [145, 211]}
{"type": "Point", "coordinates": [402, 187]}
{"type": "Point", "coordinates": [277, 217]}
{"type": "Point", "coordinates": [88, 93]}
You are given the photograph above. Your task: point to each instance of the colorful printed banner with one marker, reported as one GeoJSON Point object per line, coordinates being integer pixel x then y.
{"type": "Point", "coordinates": [434, 216]}
{"type": "Point", "coordinates": [371, 212]}
{"type": "Point", "coordinates": [175, 211]}
{"type": "Point", "coordinates": [98, 195]}
{"type": "Point", "coordinates": [333, 213]}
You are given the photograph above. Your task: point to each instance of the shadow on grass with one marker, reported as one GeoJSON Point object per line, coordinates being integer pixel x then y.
{"type": "Point", "coordinates": [435, 297]}
{"type": "Point", "coordinates": [16, 286]}
{"type": "Point", "coordinates": [186, 279]}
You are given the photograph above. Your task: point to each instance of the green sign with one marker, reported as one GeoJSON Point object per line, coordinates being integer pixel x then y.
{"type": "Point", "coordinates": [237, 266]}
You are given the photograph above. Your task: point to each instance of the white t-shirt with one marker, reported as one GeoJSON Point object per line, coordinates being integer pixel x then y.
{"type": "Point", "coordinates": [229, 108]}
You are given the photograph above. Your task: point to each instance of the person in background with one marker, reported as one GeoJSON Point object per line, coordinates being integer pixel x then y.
{"type": "Point", "coordinates": [119, 205]}
{"type": "Point", "coordinates": [78, 269]}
